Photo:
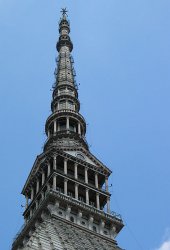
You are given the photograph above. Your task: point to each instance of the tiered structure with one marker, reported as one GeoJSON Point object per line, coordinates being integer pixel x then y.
{"type": "Point", "coordinates": [67, 194]}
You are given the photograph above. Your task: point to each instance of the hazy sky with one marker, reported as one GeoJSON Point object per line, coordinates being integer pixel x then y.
{"type": "Point", "coordinates": [122, 60]}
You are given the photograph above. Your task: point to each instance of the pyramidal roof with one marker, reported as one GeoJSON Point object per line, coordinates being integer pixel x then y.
{"type": "Point", "coordinates": [54, 234]}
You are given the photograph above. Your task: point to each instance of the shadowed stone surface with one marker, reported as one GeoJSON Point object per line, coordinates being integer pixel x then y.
{"type": "Point", "coordinates": [54, 234]}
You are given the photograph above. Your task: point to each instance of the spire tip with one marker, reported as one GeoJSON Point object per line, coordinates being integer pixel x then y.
{"type": "Point", "coordinates": [64, 12]}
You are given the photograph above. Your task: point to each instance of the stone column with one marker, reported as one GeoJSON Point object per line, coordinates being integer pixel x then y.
{"type": "Point", "coordinates": [48, 133]}
{"type": "Point", "coordinates": [75, 171]}
{"type": "Point", "coordinates": [76, 191]}
{"type": "Point", "coordinates": [96, 180]}
{"type": "Point", "coordinates": [54, 182]}
{"type": "Point", "coordinates": [37, 186]}
{"type": "Point", "coordinates": [65, 166]}
{"type": "Point", "coordinates": [32, 193]}
{"type": "Point", "coordinates": [113, 233]}
{"type": "Point", "coordinates": [58, 126]}
{"type": "Point", "coordinates": [87, 196]}
{"type": "Point", "coordinates": [91, 220]}
{"type": "Point", "coordinates": [42, 195]}
{"type": "Point", "coordinates": [36, 204]}
{"type": "Point", "coordinates": [49, 169]}
{"type": "Point", "coordinates": [79, 216]}
{"type": "Point", "coordinates": [68, 210]}
{"type": "Point", "coordinates": [67, 123]}
{"type": "Point", "coordinates": [55, 127]}
{"type": "Point", "coordinates": [102, 224]}
{"type": "Point", "coordinates": [65, 186]}
{"type": "Point", "coordinates": [26, 197]}
{"type": "Point", "coordinates": [43, 178]}
{"type": "Point", "coordinates": [79, 129]}
{"type": "Point", "coordinates": [108, 205]}
{"type": "Point", "coordinates": [106, 184]}
{"type": "Point", "coordinates": [97, 201]}
{"type": "Point", "coordinates": [86, 175]}
{"type": "Point", "coordinates": [55, 163]}
{"type": "Point", "coordinates": [25, 222]}
{"type": "Point", "coordinates": [48, 186]}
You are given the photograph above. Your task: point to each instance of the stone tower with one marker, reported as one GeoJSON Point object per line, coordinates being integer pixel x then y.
{"type": "Point", "coordinates": [67, 194]}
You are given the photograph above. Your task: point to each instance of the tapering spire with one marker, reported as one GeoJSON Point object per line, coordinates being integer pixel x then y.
{"type": "Point", "coordinates": [64, 29]}
{"type": "Point", "coordinates": [69, 126]}
{"type": "Point", "coordinates": [67, 192]}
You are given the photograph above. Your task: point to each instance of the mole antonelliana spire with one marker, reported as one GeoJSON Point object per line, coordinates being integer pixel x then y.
{"type": "Point", "coordinates": [67, 195]}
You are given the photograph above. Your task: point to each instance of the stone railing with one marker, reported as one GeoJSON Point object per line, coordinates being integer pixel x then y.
{"type": "Point", "coordinates": [112, 216]}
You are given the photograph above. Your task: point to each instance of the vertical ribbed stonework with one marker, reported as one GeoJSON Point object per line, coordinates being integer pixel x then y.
{"type": "Point", "coordinates": [67, 193]}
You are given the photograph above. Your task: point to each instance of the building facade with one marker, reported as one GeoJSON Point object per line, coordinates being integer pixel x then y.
{"type": "Point", "coordinates": [67, 193]}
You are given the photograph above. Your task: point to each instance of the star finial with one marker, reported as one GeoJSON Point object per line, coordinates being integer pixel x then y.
{"type": "Point", "coordinates": [64, 11]}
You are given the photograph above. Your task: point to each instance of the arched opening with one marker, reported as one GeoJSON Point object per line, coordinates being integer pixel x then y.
{"type": "Point", "coordinates": [62, 125]}
{"type": "Point", "coordinates": [73, 126]}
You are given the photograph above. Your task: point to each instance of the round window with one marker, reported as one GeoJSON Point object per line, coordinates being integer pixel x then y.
{"type": "Point", "coordinates": [80, 156]}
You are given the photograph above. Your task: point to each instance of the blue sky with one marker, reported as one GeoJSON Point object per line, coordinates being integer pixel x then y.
{"type": "Point", "coordinates": [122, 60]}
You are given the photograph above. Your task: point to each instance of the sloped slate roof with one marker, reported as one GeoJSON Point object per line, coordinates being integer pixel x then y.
{"type": "Point", "coordinates": [58, 235]}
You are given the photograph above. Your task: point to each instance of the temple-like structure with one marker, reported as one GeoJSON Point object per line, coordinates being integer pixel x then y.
{"type": "Point", "coordinates": [67, 193]}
